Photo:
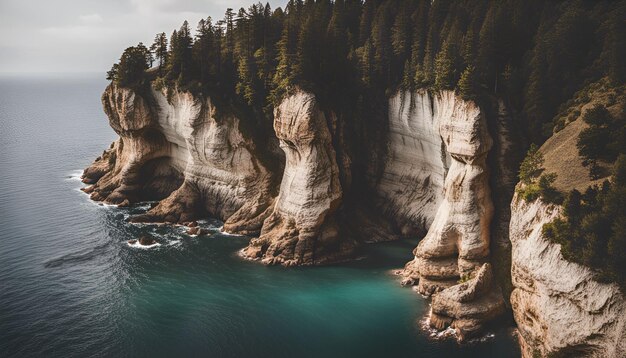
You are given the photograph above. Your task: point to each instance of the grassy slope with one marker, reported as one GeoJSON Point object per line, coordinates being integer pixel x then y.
{"type": "Point", "coordinates": [560, 152]}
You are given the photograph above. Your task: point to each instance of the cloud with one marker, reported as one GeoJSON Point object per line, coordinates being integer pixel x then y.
{"type": "Point", "coordinates": [89, 35]}
{"type": "Point", "coordinates": [91, 19]}
{"type": "Point", "coordinates": [79, 33]}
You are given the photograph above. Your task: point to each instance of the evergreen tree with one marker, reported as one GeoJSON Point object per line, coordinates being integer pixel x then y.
{"type": "Point", "coordinates": [131, 68]}
{"type": "Point", "coordinates": [468, 84]}
{"type": "Point", "coordinates": [112, 73]}
{"type": "Point", "coordinates": [445, 76]}
{"type": "Point", "coordinates": [159, 49]}
{"type": "Point", "coordinates": [532, 165]}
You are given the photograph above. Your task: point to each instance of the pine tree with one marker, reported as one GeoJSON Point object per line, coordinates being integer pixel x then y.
{"type": "Point", "coordinates": [487, 49]}
{"type": "Point", "coordinates": [468, 84]}
{"type": "Point", "coordinates": [532, 165]}
{"type": "Point", "coordinates": [112, 73]}
{"type": "Point", "coordinates": [159, 49]}
{"type": "Point", "coordinates": [148, 54]}
{"type": "Point", "coordinates": [445, 76]}
{"type": "Point", "coordinates": [203, 50]}
{"type": "Point", "coordinates": [131, 68]}
{"type": "Point", "coordinates": [286, 49]}
{"type": "Point", "coordinates": [400, 33]}
{"type": "Point", "coordinates": [180, 62]}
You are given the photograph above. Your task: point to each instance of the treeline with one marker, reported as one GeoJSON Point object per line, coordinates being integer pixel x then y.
{"type": "Point", "coordinates": [592, 230]}
{"type": "Point", "coordinates": [533, 53]}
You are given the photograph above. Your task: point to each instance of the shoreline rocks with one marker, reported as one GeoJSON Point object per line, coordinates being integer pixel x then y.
{"type": "Point", "coordinates": [468, 307]}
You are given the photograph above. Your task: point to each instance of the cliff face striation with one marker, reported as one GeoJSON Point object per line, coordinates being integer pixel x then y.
{"type": "Point", "coordinates": [198, 160]}
{"type": "Point", "coordinates": [180, 149]}
{"type": "Point", "coordinates": [457, 243]}
{"type": "Point", "coordinates": [303, 227]}
{"type": "Point", "coordinates": [559, 307]}
{"type": "Point", "coordinates": [416, 163]}
{"type": "Point", "coordinates": [137, 166]}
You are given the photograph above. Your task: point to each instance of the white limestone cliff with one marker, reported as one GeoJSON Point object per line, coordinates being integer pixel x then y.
{"type": "Point", "coordinates": [457, 244]}
{"type": "Point", "coordinates": [416, 163]}
{"type": "Point", "coordinates": [559, 308]}
{"type": "Point", "coordinates": [216, 168]}
{"type": "Point", "coordinates": [302, 228]}
{"type": "Point", "coordinates": [457, 241]}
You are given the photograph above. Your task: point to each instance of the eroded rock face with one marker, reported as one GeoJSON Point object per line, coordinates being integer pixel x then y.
{"type": "Point", "coordinates": [559, 308]}
{"type": "Point", "coordinates": [180, 147]}
{"type": "Point", "coordinates": [303, 226]}
{"type": "Point", "coordinates": [416, 163]}
{"type": "Point", "coordinates": [136, 166]}
{"type": "Point", "coordinates": [457, 242]}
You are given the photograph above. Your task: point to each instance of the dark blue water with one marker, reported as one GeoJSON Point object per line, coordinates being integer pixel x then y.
{"type": "Point", "coordinates": [71, 286]}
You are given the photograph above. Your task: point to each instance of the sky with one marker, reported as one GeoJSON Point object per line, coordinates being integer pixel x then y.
{"type": "Point", "coordinates": [61, 36]}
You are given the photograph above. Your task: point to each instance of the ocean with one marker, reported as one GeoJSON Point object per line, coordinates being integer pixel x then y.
{"type": "Point", "coordinates": [71, 286]}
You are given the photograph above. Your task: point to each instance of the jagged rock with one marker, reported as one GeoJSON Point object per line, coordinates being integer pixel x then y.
{"type": "Point", "coordinates": [559, 308]}
{"type": "Point", "coordinates": [302, 228]}
{"type": "Point", "coordinates": [457, 242]}
{"type": "Point", "coordinates": [181, 149]}
{"type": "Point", "coordinates": [468, 307]}
{"type": "Point", "coordinates": [193, 231]}
{"type": "Point", "coordinates": [136, 163]}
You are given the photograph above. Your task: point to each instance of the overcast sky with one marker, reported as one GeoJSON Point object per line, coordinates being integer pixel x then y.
{"type": "Point", "coordinates": [89, 35]}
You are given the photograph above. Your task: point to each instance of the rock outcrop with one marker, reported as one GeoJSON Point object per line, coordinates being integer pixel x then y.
{"type": "Point", "coordinates": [137, 166]}
{"type": "Point", "coordinates": [457, 242]}
{"type": "Point", "coordinates": [182, 146]}
{"type": "Point", "coordinates": [303, 226]}
{"type": "Point", "coordinates": [560, 309]}
{"type": "Point", "coordinates": [468, 307]}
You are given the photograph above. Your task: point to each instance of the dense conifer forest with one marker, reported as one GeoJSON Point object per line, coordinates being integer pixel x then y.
{"type": "Point", "coordinates": [534, 53]}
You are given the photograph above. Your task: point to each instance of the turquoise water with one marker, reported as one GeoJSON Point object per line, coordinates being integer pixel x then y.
{"type": "Point", "coordinates": [70, 285]}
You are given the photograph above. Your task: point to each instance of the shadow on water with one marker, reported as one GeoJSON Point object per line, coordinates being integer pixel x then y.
{"type": "Point", "coordinates": [78, 257]}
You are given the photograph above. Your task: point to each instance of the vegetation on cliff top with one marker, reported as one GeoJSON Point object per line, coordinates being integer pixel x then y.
{"type": "Point", "coordinates": [535, 184]}
{"type": "Point", "coordinates": [536, 54]}
{"type": "Point", "coordinates": [592, 227]}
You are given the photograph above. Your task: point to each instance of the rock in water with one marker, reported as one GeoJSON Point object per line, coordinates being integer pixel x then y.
{"type": "Point", "coordinates": [302, 228]}
{"type": "Point", "coordinates": [468, 307]}
{"type": "Point", "coordinates": [146, 241]}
